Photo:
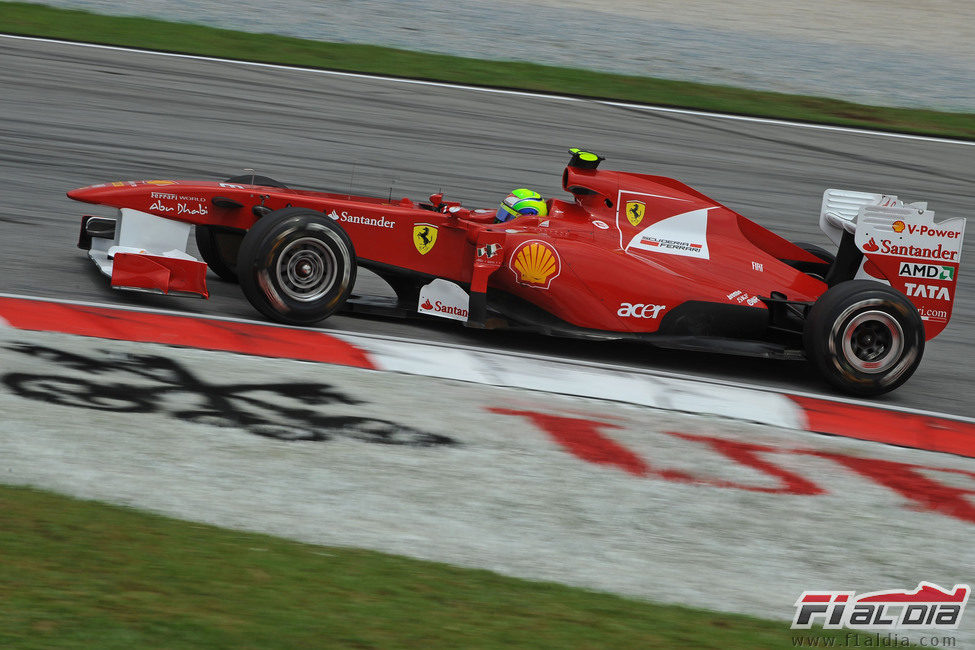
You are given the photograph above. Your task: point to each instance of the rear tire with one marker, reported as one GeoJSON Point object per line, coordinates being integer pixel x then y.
{"type": "Point", "coordinates": [296, 266]}
{"type": "Point", "coordinates": [864, 337]}
{"type": "Point", "coordinates": [816, 270]}
{"type": "Point", "coordinates": [817, 250]}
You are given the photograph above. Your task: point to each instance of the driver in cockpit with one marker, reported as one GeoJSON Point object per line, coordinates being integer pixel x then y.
{"type": "Point", "coordinates": [521, 202]}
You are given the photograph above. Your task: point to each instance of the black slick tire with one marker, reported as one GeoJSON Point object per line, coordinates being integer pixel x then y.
{"type": "Point", "coordinates": [864, 337]}
{"type": "Point", "coordinates": [818, 271]}
{"type": "Point", "coordinates": [296, 266]}
{"type": "Point", "coordinates": [219, 246]}
{"type": "Point", "coordinates": [817, 250]}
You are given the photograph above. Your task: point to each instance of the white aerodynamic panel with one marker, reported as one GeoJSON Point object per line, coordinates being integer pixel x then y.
{"type": "Point", "coordinates": [444, 299]}
{"type": "Point", "coordinates": [683, 234]}
{"type": "Point", "coordinates": [918, 257]}
{"type": "Point", "coordinates": [141, 233]}
{"type": "Point", "coordinates": [157, 235]}
{"type": "Point", "coordinates": [840, 209]}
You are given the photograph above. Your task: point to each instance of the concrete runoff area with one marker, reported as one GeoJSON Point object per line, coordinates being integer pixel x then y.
{"type": "Point", "coordinates": [75, 116]}
{"type": "Point", "coordinates": [646, 503]}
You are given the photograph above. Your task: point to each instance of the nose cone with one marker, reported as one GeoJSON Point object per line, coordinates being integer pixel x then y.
{"type": "Point", "coordinates": [102, 193]}
{"type": "Point", "coordinates": [90, 194]}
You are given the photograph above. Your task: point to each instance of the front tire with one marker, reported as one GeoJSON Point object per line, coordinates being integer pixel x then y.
{"type": "Point", "coordinates": [219, 246]}
{"type": "Point", "coordinates": [864, 337]}
{"type": "Point", "coordinates": [296, 266]}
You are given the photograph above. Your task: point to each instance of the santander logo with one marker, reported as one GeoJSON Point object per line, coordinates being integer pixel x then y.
{"type": "Point", "coordinates": [871, 246]}
{"type": "Point", "coordinates": [441, 308]}
{"type": "Point", "coordinates": [426, 304]}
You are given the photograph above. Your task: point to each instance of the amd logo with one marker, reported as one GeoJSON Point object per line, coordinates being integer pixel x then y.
{"type": "Point", "coordinates": [930, 271]}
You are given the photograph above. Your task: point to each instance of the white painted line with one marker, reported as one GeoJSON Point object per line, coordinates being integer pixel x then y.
{"type": "Point", "coordinates": [382, 341]}
{"type": "Point", "coordinates": [565, 98]}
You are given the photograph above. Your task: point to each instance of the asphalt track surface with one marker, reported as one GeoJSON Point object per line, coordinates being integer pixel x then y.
{"type": "Point", "coordinates": [73, 116]}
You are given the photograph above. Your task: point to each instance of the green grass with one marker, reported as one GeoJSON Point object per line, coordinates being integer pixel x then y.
{"type": "Point", "coordinates": [38, 20]}
{"type": "Point", "coordinates": [82, 574]}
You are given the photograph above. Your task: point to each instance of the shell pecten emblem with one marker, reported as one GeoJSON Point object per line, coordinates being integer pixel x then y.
{"type": "Point", "coordinates": [635, 211]}
{"type": "Point", "coordinates": [535, 263]}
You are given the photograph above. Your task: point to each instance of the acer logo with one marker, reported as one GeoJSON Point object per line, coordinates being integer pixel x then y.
{"type": "Point", "coordinates": [926, 291]}
{"type": "Point", "coordinates": [639, 310]}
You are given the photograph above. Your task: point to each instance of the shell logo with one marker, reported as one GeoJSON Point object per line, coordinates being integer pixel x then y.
{"type": "Point", "coordinates": [898, 226]}
{"type": "Point", "coordinates": [535, 263]}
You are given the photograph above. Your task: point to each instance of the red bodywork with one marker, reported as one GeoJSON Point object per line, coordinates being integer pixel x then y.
{"type": "Point", "coordinates": [626, 252]}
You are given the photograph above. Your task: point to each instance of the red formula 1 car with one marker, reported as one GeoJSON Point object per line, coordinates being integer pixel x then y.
{"type": "Point", "coordinates": [629, 256]}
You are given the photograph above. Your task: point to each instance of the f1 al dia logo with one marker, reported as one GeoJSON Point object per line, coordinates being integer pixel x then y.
{"type": "Point", "coordinates": [929, 607]}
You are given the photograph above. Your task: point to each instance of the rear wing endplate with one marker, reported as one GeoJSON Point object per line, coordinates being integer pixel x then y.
{"type": "Point", "coordinates": [903, 246]}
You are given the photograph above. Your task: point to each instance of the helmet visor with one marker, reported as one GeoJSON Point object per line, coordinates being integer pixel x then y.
{"type": "Point", "coordinates": [504, 214]}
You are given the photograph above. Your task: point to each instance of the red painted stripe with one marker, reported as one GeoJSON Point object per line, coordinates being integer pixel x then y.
{"type": "Point", "coordinates": [197, 332]}
{"type": "Point", "coordinates": [582, 437]}
{"type": "Point", "coordinates": [928, 432]}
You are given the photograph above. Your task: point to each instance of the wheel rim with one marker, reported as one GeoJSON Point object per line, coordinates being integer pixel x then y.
{"type": "Point", "coordinates": [873, 341]}
{"type": "Point", "coordinates": [306, 269]}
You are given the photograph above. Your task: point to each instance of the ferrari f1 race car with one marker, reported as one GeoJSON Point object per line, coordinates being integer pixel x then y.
{"type": "Point", "coordinates": [630, 256]}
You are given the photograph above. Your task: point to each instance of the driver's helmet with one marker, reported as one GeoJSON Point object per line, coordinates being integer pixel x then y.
{"type": "Point", "coordinates": [521, 202]}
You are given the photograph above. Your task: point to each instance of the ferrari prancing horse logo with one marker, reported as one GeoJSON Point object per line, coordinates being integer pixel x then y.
{"type": "Point", "coordinates": [424, 237]}
{"type": "Point", "coordinates": [635, 211]}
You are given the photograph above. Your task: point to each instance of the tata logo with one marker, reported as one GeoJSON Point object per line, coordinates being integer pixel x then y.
{"type": "Point", "coordinates": [930, 271]}
{"type": "Point", "coordinates": [639, 310]}
{"type": "Point", "coordinates": [926, 291]}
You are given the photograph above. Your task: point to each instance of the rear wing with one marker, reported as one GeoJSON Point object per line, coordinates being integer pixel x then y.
{"type": "Point", "coordinates": [903, 246]}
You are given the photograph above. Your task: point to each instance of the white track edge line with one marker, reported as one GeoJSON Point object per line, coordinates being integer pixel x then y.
{"type": "Point", "coordinates": [442, 84]}
{"type": "Point", "coordinates": [519, 355]}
